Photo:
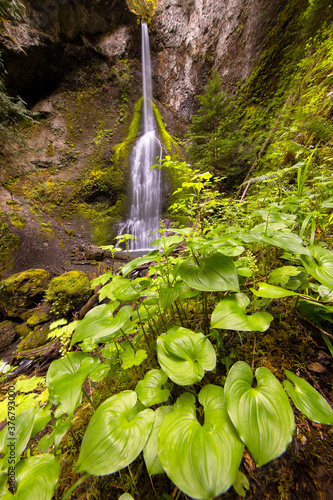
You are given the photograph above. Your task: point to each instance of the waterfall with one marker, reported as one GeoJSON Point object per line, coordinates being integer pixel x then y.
{"type": "Point", "coordinates": [144, 214]}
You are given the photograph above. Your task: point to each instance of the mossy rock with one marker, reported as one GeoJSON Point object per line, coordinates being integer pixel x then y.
{"type": "Point", "coordinates": [36, 338]}
{"type": "Point", "coordinates": [68, 292]}
{"type": "Point", "coordinates": [38, 318]}
{"type": "Point", "coordinates": [7, 334]}
{"type": "Point", "coordinates": [23, 330]}
{"type": "Point", "coordinates": [22, 291]}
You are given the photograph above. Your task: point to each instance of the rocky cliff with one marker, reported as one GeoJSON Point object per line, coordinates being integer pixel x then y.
{"type": "Point", "coordinates": [188, 38]}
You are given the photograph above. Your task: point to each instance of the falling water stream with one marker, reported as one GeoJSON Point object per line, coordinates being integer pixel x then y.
{"type": "Point", "coordinates": [144, 214]}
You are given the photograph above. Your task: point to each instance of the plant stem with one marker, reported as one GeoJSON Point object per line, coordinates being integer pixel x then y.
{"type": "Point", "coordinates": [70, 491]}
{"type": "Point", "coordinates": [89, 398]}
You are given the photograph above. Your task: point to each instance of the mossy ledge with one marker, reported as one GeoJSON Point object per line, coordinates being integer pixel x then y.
{"type": "Point", "coordinates": [167, 139]}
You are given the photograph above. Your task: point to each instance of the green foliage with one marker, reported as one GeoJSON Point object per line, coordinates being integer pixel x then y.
{"type": "Point", "coordinates": [262, 415]}
{"type": "Point", "coordinates": [115, 436]}
{"type": "Point", "coordinates": [187, 447]}
{"type": "Point", "coordinates": [230, 314]}
{"type": "Point", "coordinates": [185, 356]}
{"type": "Point", "coordinates": [308, 400]}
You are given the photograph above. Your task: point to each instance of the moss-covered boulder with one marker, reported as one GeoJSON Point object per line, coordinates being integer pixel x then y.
{"type": "Point", "coordinates": [38, 318]}
{"type": "Point", "coordinates": [23, 291]}
{"type": "Point", "coordinates": [68, 292]}
{"type": "Point", "coordinates": [23, 330]}
{"type": "Point", "coordinates": [36, 338]}
{"type": "Point", "coordinates": [7, 334]}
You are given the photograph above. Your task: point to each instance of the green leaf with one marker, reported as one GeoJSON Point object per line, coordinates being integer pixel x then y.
{"type": "Point", "coordinates": [65, 378]}
{"type": "Point", "coordinates": [290, 242]}
{"type": "Point", "coordinates": [100, 372]}
{"type": "Point", "coordinates": [262, 415]}
{"type": "Point", "coordinates": [126, 496]}
{"type": "Point", "coordinates": [16, 435]}
{"type": "Point", "coordinates": [168, 295]}
{"type": "Point", "coordinates": [36, 478]}
{"type": "Point", "coordinates": [149, 390]}
{"type": "Point", "coordinates": [215, 273]}
{"type": "Point", "coordinates": [271, 292]}
{"type": "Point", "coordinates": [129, 292]}
{"type": "Point", "coordinates": [308, 400]}
{"type": "Point", "coordinates": [28, 385]}
{"type": "Point", "coordinates": [115, 435]}
{"type": "Point", "coordinates": [100, 325]}
{"type": "Point", "coordinates": [131, 358]}
{"type": "Point", "coordinates": [185, 356]}
{"type": "Point", "coordinates": [230, 314]}
{"type": "Point", "coordinates": [202, 460]}
{"type": "Point", "coordinates": [241, 484]}
{"type": "Point", "coordinates": [130, 266]}
{"type": "Point", "coordinates": [42, 418]}
{"type": "Point", "coordinates": [150, 451]}
{"type": "Point", "coordinates": [320, 265]}
{"type": "Point", "coordinates": [281, 275]}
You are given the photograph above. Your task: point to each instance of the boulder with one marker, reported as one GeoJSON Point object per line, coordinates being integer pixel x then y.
{"type": "Point", "coordinates": [94, 253]}
{"type": "Point", "coordinates": [68, 293]}
{"type": "Point", "coordinates": [7, 334]}
{"type": "Point", "coordinates": [23, 291]}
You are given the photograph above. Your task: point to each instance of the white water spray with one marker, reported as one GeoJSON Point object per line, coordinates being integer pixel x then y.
{"type": "Point", "coordinates": [144, 212]}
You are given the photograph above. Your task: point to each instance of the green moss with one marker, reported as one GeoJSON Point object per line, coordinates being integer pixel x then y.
{"type": "Point", "coordinates": [67, 292]}
{"type": "Point", "coordinates": [168, 141]}
{"type": "Point", "coordinates": [23, 330]}
{"type": "Point", "coordinates": [122, 150]}
{"type": "Point", "coordinates": [19, 292]}
{"type": "Point", "coordinates": [37, 318]}
{"type": "Point", "coordinates": [37, 338]}
{"type": "Point", "coordinates": [16, 220]}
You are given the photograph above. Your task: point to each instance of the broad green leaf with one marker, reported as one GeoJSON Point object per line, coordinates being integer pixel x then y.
{"type": "Point", "coordinates": [115, 435]}
{"type": "Point", "coordinates": [202, 460]}
{"type": "Point", "coordinates": [271, 292]}
{"type": "Point", "coordinates": [187, 293]}
{"type": "Point", "coordinates": [130, 291]}
{"type": "Point", "coordinates": [308, 400]}
{"type": "Point", "coordinates": [65, 378]}
{"type": "Point", "coordinates": [320, 265]}
{"type": "Point", "coordinates": [168, 295]}
{"type": "Point", "coordinates": [290, 242]}
{"type": "Point", "coordinates": [126, 496]}
{"type": "Point", "coordinates": [131, 358]}
{"type": "Point", "coordinates": [185, 356]}
{"type": "Point", "coordinates": [42, 418]}
{"type": "Point", "coordinates": [231, 251]}
{"type": "Point", "coordinates": [133, 264]}
{"type": "Point", "coordinates": [36, 478]}
{"type": "Point", "coordinates": [100, 372]}
{"type": "Point", "coordinates": [108, 289]}
{"type": "Point", "coordinates": [215, 273]}
{"type": "Point", "coordinates": [150, 451]}
{"type": "Point", "coordinates": [100, 325]}
{"type": "Point", "coordinates": [149, 389]}
{"type": "Point", "coordinates": [281, 275]}
{"type": "Point", "coordinates": [230, 314]}
{"type": "Point", "coordinates": [262, 415]}
{"type": "Point", "coordinates": [16, 436]}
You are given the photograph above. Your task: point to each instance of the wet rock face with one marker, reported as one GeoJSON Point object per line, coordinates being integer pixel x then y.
{"type": "Point", "coordinates": [57, 37]}
{"type": "Point", "coordinates": [192, 36]}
